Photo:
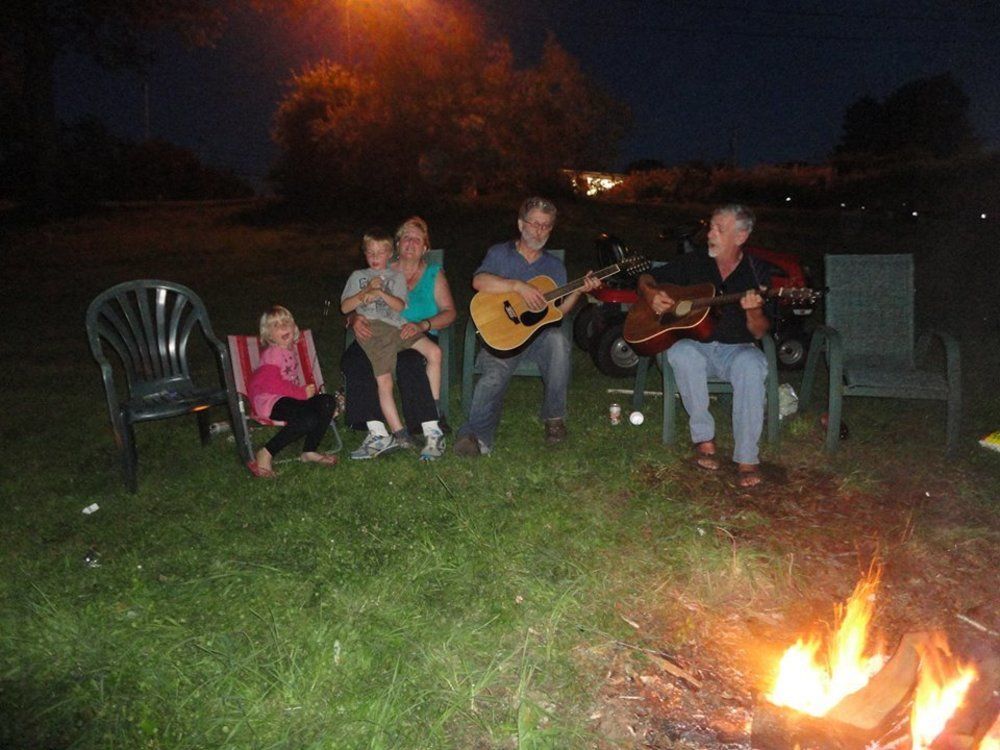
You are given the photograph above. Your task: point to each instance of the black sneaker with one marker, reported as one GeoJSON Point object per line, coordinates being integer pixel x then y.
{"type": "Point", "coordinates": [467, 446]}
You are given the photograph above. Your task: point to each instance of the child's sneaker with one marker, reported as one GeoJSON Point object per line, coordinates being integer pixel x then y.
{"type": "Point", "coordinates": [374, 445]}
{"type": "Point", "coordinates": [434, 448]}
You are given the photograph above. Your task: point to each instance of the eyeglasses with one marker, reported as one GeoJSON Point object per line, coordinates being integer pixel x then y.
{"type": "Point", "coordinates": [539, 226]}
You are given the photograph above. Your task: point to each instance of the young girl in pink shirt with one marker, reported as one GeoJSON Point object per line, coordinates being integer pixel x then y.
{"type": "Point", "coordinates": [278, 391]}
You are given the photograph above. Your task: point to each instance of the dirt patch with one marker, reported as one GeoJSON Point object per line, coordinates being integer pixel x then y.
{"type": "Point", "coordinates": [938, 572]}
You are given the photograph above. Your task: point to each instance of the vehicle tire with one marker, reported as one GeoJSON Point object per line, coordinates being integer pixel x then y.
{"type": "Point", "coordinates": [612, 354]}
{"type": "Point", "coordinates": [586, 324]}
{"type": "Point", "coordinates": [792, 351]}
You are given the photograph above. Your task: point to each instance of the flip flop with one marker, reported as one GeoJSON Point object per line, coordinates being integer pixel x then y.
{"type": "Point", "coordinates": [260, 473]}
{"type": "Point", "coordinates": [749, 478]}
{"type": "Point", "coordinates": [705, 460]}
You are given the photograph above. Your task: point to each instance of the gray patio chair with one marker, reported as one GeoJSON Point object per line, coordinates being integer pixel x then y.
{"type": "Point", "coordinates": [868, 342]}
{"type": "Point", "coordinates": [148, 324]}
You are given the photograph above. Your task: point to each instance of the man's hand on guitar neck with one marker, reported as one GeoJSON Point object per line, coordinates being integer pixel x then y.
{"type": "Point", "coordinates": [658, 300]}
{"type": "Point", "coordinates": [753, 305]}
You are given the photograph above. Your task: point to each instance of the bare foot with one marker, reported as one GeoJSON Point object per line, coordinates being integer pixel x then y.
{"type": "Point", "coordinates": [749, 475]}
{"type": "Point", "coordinates": [704, 456]}
{"type": "Point", "coordinates": [261, 467]}
{"type": "Point", "coordinates": [324, 459]}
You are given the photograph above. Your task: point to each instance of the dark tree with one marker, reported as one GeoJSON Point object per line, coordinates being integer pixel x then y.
{"type": "Point", "coordinates": [928, 117]}
{"type": "Point", "coordinates": [35, 33]}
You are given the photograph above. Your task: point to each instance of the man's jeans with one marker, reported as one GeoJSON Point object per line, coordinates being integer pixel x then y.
{"type": "Point", "coordinates": [550, 350]}
{"type": "Point", "coordinates": [743, 365]}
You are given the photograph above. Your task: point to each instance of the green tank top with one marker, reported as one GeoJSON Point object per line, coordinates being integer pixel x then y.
{"type": "Point", "coordinates": [420, 303]}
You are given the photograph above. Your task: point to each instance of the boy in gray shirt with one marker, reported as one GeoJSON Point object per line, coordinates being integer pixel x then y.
{"type": "Point", "coordinates": [379, 293]}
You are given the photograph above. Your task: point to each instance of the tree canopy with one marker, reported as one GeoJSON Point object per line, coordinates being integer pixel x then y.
{"type": "Point", "coordinates": [432, 104]}
{"type": "Point", "coordinates": [927, 117]}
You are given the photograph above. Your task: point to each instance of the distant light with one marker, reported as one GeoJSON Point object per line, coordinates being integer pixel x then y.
{"type": "Point", "coordinates": [843, 205]}
{"type": "Point", "coordinates": [914, 214]}
{"type": "Point", "coordinates": [982, 216]}
{"type": "Point", "coordinates": [863, 208]}
{"type": "Point", "coordinates": [788, 199]}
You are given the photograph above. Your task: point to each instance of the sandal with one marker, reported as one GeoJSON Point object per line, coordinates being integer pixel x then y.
{"type": "Point", "coordinates": [260, 473]}
{"type": "Point", "coordinates": [704, 456]}
{"type": "Point", "coordinates": [749, 477]}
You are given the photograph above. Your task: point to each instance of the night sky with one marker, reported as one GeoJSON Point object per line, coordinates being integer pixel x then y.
{"type": "Point", "coordinates": [771, 78]}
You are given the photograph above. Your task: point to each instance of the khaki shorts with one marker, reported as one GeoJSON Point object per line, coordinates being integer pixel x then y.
{"type": "Point", "coordinates": [383, 346]}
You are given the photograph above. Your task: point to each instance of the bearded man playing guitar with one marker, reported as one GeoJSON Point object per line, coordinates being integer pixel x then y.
{"type": "Point", "coordinates": [505, 272]}
{"type": "Point", "coordinates": [730, 352]}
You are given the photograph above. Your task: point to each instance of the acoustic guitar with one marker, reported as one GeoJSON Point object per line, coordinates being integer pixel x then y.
{"type": "Point", "coordinates": [648, 333]}
{"type": "Point", "coordinates": [505, 321]}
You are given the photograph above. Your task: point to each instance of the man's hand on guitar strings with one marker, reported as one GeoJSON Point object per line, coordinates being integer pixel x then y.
{"type": "Point", "coordinates": [533, 298]}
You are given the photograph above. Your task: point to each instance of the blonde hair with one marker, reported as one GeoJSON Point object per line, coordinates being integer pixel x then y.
{"type": "Point", "coordinates": [415, 222]}
{"type": "Point", "coordinates": [275, 315]}
{"type": "Point", "coordinates": [376, 236]}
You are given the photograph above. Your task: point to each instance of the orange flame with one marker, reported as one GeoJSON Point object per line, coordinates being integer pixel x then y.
{"type": "Point", "coordinates": [941, 688]}
{"type": "Point", "coordinates": [813, 685]}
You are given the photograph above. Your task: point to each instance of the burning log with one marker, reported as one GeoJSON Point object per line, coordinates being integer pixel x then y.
{"type": "Point", "coordinates": [872, 713]}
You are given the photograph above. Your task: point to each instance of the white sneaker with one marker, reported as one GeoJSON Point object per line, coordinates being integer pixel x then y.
{"type": "Point", "coordinates": [434, 448]}
{"type": "Point", "coordinates": [374, 445]}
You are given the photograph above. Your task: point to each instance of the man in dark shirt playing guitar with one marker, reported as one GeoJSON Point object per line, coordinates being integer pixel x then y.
{"type": "Point", "coordinates": [729, 352]}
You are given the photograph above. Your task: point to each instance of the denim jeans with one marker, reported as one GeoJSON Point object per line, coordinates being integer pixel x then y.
{"type": "Point", "coordinates": [742, 365]}
{"type": "Point", "coordinates": [549, 350]}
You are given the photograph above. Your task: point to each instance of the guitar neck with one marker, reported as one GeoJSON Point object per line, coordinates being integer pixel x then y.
{"type": "Point", "coordinates": [572, 286]}
{"type": "Point", "coordinates": [725, 299]}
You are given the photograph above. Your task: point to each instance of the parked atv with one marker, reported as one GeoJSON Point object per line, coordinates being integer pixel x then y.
{"type": "Point", "coordinates": [597, 328]}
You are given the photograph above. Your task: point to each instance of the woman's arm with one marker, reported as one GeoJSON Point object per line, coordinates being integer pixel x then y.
{"type": "Point", "coordinates": [444, 316]}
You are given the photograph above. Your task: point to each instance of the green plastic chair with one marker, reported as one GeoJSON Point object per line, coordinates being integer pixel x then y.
{"type": "Point", "coordinates": [868, 342]}
{"type": "Point", "coordinates": [471, 367]}
{"type": "Point", "coordinates": [671, 401]}
{"type": "Point", "coordinates": [148, 324]}
{"type": "Point", "coordinates": [445, 339]}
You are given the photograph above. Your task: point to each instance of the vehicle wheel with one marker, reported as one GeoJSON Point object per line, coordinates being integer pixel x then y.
{"type": "Point", "coordinates": [586, 324]}
{"type": "Point", "coordinates": [791, 352]}
{"type": "Point", "coordinates": [612, 354]}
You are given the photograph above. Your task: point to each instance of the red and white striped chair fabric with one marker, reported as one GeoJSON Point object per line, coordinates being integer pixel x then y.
{"type": "Point", "coordinates": [244, 352]}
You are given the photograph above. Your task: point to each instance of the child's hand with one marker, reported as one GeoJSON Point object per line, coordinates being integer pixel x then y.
{"type": "Point", "coordinates": [310, 390]}
{"type": "Point", "coordinates": [374, 284]}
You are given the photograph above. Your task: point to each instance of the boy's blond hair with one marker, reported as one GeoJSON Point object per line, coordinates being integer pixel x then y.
{"type": "Point", "coordinates": [376, 236]}
{"type": "Point", "coordinates": [274, 315]}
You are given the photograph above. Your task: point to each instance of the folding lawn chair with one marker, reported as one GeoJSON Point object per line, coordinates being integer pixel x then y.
{"type": "Point", "coordinates": [245, 354]}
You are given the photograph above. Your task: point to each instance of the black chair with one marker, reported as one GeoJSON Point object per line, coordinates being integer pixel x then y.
{"type": "Point", "coordinates": [148, 324]}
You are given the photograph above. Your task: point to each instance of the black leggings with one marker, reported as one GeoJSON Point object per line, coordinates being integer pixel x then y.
{"type": "Point", "coordinates": [362, 391]}
{"type": "Point", "coordinates": [310, 418]}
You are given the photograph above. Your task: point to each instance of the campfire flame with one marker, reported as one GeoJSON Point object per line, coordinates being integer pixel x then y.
{"type": "Point", "coordinates": [812, 680]}
{"type": "Point", "coordinates": [812, 684]}
{"type": "Point", "coordinates": [941, 688]}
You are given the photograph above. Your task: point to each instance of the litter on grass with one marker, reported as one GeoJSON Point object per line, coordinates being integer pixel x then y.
{"type": "Point", "coordinates": [92, 508]}
{"type": "Point", "coordinates": [991, 441]}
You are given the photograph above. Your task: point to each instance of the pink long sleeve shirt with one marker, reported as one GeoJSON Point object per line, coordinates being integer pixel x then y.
{"type": "Point", "coordinates": [278, 376]}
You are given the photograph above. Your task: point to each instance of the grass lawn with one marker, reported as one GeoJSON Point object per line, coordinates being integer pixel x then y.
{"type": "Point", "coordinates": [510, 601]}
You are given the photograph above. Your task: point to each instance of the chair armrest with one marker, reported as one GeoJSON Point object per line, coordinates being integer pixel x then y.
{"type": "Point", "coordinates": [952, 351]}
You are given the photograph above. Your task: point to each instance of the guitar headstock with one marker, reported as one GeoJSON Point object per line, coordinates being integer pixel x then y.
{"type": "Point", "coordinates": [634, 264]}
{"type": "Point", "coordinates": [797, 294]}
